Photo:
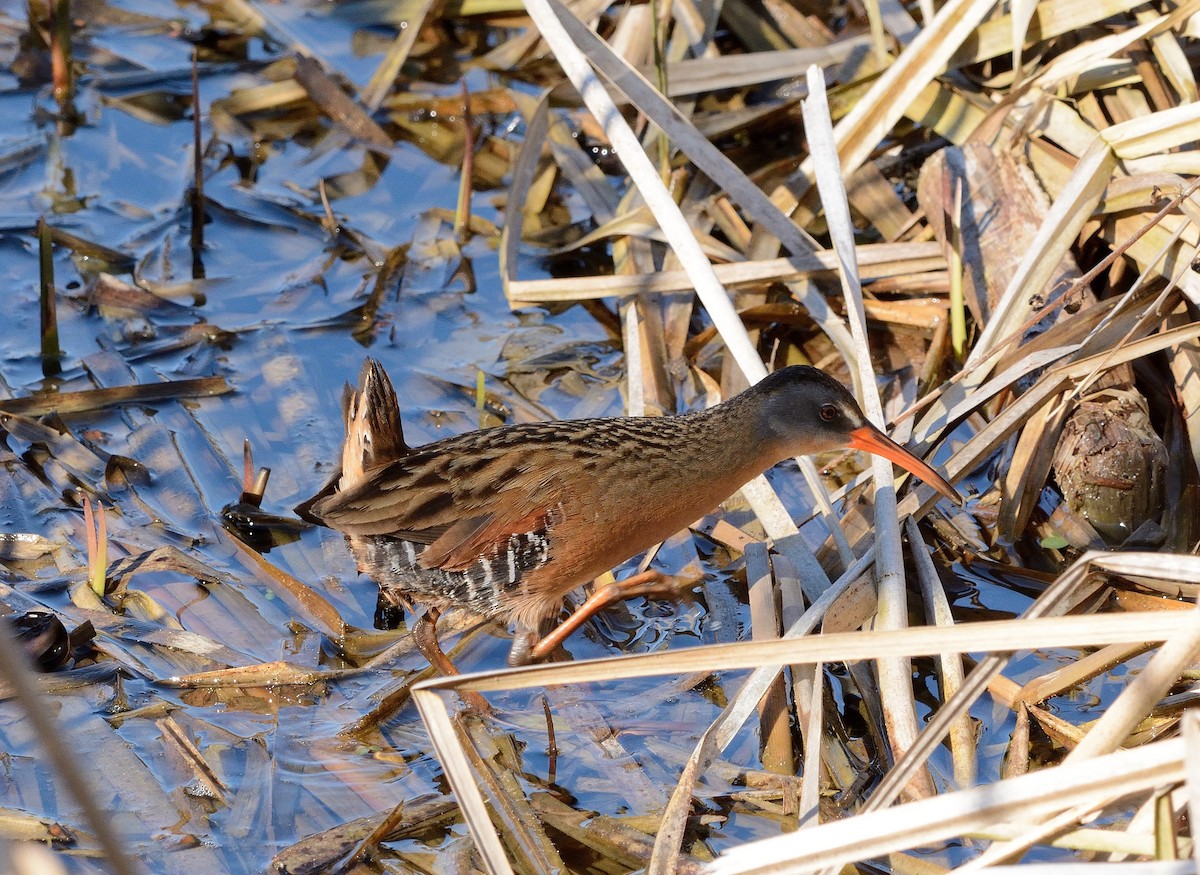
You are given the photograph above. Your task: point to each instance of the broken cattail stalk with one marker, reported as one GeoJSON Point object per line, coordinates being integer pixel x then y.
{"type": "Point", "coordinates": [197, 196]}
{"type": "Point", "coordinates": [98, 399]}
{"type": "Point", "coordinates": [462, 213]}
{"type": "Point", "coordinates": [954, 263]}
{"type": "Point", "coordinates": [368, 848]}
{"type": "Point", "coordinates": [97, 546]}
{"type": "Point", "coordinates": [661, 13]}
{"type": "Point", "coordinates": [247, 466]}
{"type": "Point", "coordinates": [254, 492]}
{"type": "Point", "coordinates": [254, 487]}
{"type": "Point", "coordinates": [60, 54]}
{"type": "Point", "coordinates": [51, 353]}
{"type": "Point", "coordinates": [329, 222]}
{"type": "Point", "coordinates": [551, 743]}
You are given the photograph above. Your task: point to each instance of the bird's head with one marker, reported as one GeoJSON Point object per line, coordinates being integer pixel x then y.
{"type": "Point", "coordinates": [803, 410]}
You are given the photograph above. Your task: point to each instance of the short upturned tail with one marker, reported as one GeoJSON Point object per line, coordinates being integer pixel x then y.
{"type": "Point", "coordinates": [374, 433]}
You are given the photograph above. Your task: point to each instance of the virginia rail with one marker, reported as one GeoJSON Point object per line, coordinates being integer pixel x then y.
{"type": "Point", "coordinates": [506, 521]}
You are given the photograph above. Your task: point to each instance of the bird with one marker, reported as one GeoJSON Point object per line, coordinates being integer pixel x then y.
{"type": "Point", "coordinates": [506, 521]}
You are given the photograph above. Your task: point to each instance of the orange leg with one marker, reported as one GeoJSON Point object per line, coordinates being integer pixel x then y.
{"type": "Point", "coordinates": [645, 583]}
{"type": "Point", "coordinates": [425, 635]}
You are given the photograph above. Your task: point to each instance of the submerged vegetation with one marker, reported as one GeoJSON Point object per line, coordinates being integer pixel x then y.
{"type": "Point", "coordinates": [983, 217]}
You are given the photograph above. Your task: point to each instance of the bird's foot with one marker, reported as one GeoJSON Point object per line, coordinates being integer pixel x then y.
{"type": "Point", "coordinates": [523, 644]}
{"type": "Point", "coordinates": [425, 636]}
{"type": "Point", "coordinates": [526, 648]}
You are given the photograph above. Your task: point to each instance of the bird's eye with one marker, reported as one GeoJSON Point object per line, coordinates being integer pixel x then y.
{"type": "Point", "coordinates": [829, 412]}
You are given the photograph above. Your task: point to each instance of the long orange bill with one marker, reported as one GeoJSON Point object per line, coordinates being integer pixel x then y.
{"type": "Point", "coordinates": [872, 440]}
